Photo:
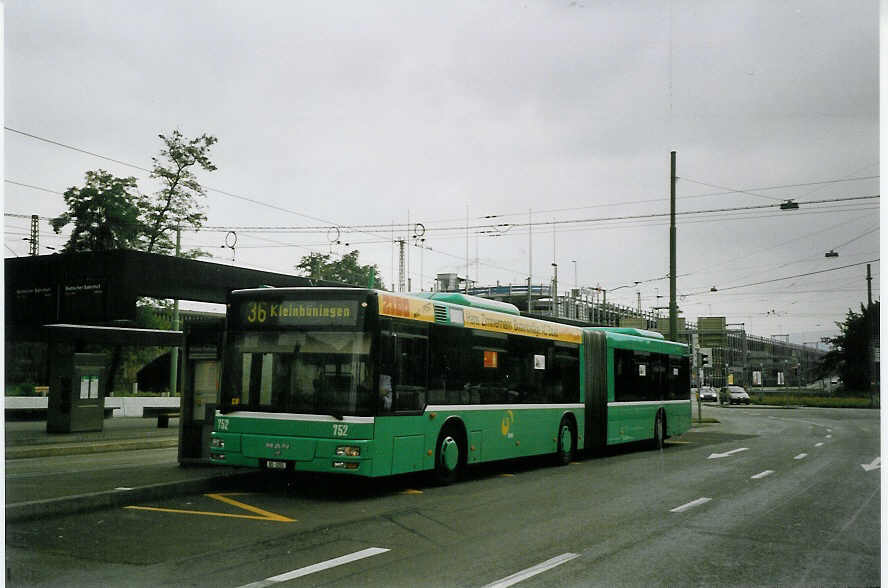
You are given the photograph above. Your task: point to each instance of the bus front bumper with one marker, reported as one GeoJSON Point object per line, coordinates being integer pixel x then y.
{"type": "Point", "coordinates": [352, 456]}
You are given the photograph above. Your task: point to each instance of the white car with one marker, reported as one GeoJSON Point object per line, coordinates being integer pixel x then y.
{"type": "Point", "coordinates": [737, 395]}
{"type": "Point", "coordinates": [708, 394]}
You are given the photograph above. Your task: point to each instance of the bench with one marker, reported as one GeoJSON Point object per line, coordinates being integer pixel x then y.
{"type": "Point", "coordinates": [162, 413]}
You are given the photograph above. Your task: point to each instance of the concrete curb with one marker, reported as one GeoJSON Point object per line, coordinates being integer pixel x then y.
{"type": "Point", "coordinates": [773, 406]}
{"type": "Point", "coordinates": [55, 449]}
{"type": "Point", "coordinates": [41, 509]}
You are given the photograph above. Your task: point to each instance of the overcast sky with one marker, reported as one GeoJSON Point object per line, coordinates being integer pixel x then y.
{"type": "Point", "coordinates": [373, 114]}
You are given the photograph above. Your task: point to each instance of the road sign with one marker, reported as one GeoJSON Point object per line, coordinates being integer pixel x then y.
{"type": "Point", "coordinates": [712, 330]}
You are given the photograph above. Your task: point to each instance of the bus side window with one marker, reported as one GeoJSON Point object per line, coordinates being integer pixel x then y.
{"type": "Point", "coordinates": [625, 376]}
{"type": "Point", "coordinates": [410, 382]}
{"type": "Point", "coordinates": [387, 344]}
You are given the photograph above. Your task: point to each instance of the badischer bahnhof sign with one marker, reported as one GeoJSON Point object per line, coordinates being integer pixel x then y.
{"type": "Point", "coordinates": [102, 287]}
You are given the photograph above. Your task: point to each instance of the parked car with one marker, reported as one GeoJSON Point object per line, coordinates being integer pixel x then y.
{"type": "Point", "coordinates": [737, 395]}
{"type": "Point", "coordinates": [708, 394]}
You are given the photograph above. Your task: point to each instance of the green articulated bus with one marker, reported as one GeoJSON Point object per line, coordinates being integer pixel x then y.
{"type": "Point", "coordinates": [370, 383]}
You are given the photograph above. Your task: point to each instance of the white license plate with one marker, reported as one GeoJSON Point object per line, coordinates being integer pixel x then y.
{"type": "Point", "coordinates": [276, 465]}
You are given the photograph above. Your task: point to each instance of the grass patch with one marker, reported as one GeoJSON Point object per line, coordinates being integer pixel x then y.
{"type": "Point", "coordinates": [791, 399]}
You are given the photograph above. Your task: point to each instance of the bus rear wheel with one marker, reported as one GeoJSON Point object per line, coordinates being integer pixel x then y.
{"type": "Point", "coordinates": [450, 455]}
{"type": "Point", "coordinates": [566, 442]}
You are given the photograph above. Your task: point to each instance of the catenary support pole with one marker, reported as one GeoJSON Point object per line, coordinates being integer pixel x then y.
{"type": "Point", "coordinates": [174, 352]}
{"type": "Point", "coordinates": [673, 308]}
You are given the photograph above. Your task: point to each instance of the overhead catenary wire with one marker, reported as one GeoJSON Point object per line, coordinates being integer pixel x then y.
{"type": "Point", "coordinates": [327, 223]}
{"type": "Point", "coordinates": [132, 165]}
{"type": "Point", "coordinates": [688, 197]}
{"type": "Point", "coordinates": [543, 223]}
{"type": "Point", "coordinates": [782, 278]}
{"type": "Point", "coordinates": [361, 228]}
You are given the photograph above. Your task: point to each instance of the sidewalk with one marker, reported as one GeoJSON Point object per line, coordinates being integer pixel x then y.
{"type": "Point", "coordinates": [131, 460]}
{"type": "Point", "coordinates": [29, 438]}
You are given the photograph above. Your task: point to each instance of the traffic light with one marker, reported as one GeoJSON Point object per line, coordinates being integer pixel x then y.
{"type": "Point", "coordinates": [704, 360]}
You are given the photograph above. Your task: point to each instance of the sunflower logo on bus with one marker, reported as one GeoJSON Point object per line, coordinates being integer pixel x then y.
{"type": "Point", "coordinates": [506, 424]}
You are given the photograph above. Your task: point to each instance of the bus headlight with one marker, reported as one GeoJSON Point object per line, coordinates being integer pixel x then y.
{"type": "Point", "coordinates": [217, 443]}
{"type": "Point", "coordinates": [346, 465]}
{"type": "Point", "coordinates": [348, 451]}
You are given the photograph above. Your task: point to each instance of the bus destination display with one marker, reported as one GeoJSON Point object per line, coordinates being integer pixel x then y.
{"type": "Point", "coordinates": [295, 313]}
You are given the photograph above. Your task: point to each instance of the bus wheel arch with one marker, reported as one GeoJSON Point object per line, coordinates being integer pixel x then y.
{"type": "Point", "coordinates": [451, 451]}
{"type": "Point", "coordinates": [566, 439]}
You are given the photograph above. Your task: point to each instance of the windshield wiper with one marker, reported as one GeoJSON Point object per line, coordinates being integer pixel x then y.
{"type": "Point", "coordinates": [336, 415]}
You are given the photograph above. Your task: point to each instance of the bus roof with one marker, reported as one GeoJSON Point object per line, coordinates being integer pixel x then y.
{"type": "Point", "coordinates": [631, 331]}
{"type": "Point", "coordinates": [467, 300]}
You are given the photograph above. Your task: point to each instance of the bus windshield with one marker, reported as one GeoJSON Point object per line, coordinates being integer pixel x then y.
{"type": "Point", "coordinates": [307, 372]}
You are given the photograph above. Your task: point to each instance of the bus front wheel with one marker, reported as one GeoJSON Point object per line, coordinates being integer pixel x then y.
{"type": "Point", "coordinates": [450, 455]}
{"type": "Point", "coordinates": [566, 442]}
{"type": "Point", "coordinates": [659, 430]}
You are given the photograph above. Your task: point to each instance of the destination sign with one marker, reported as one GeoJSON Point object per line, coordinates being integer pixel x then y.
{"type": "Point", "coordinates": [296, 313]}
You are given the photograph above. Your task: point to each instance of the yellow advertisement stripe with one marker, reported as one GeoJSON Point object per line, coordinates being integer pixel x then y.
{"type": "Point", "coordinates": [424, 310]}
{"type": "Point", "coordinates": [517, 325]}
{"type": "Point", "coordinates": [404, 307]}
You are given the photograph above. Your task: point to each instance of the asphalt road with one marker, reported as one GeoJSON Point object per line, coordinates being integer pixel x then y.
{"type": "Point", "coordinates": [764, 497]}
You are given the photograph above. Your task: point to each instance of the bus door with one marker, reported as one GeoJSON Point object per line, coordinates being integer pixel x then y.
{"type": "Point", "coordinates": [595, 363]}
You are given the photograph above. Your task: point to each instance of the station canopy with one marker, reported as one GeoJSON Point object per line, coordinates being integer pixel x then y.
{"type": "Point", "coordinates": [101, 288]}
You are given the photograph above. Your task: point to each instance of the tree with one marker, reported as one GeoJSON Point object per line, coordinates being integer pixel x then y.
{"type": "Point", "coordinates": [110, 213]}
{"type": "Point", "coordinates": [106, 213]}
{"type": "Point", "coordinates": [322, 266]}
{"type": "Point", "coordinates": [850, 356]}
{"type": "Point", "coordinates": [178, 202]}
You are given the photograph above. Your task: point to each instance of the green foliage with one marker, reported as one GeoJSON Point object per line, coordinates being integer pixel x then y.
{"type": "Point", "coordinates": [347, 270]}
{"type": "Point", "coordinates": [791, 399]}
{"type": "Point", "coordinates": [109, 213]}
{"type": "Point", "coordinates": [106, 213]}
{"type": "Point", "coordinates": [178, 203]}
{"type": "Point", "coordinates": [25, 367]}
{"type": "Point", "coordinates": [850, 357]}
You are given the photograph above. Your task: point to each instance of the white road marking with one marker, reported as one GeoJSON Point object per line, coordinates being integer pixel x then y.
{"type": "Point", "coordinates": [818, 445]}
{"type": "Point", "coordinates": [123, 489]}
{"type": "Point", "coordinates": [829, 436]}
{"type": "Point", "coordinates": [873, 465]}
{"type": "Point", "coordinates": [324, 565]}
{"type": "Point", "coordinates": [691, 504]}
{"type": "Point", "coordinates": [727, 453]}
{"type": "Point", "coordinates": [801, 456]}
{"type": "Point", "coordinates": [761, 475]}
{"type": "Point", "coordinates": [533, 571]}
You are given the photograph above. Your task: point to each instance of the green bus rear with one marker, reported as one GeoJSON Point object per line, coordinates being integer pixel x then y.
{"type": "Point", "coordinates": [371, 383]}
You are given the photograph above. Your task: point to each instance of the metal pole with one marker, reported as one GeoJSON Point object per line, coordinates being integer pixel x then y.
{"type": "Point", "coordinates": [467, 248]}
{"type": "Point", "coordinates": [174, 352]}
{"type": "Point", "coordinates": [34, 248]}
{"type": "Point", "coordinates": [554, 293]}
{"type": "Point", "coordinates": [604, 306]}
{"type": "Point", "coordinates": [529, 258]}
{"type": "Point", "coordinates": [673, 308]}
{"type": "Point", "coordinates": [408, 240]}
{"type": "Point", "coordinates": [872, 333]}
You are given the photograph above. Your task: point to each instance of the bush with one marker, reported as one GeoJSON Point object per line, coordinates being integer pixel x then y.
{"type": "Point", "coordinates": [24, 389]}
{"type": "Point", "coordinates": [816, 401]}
